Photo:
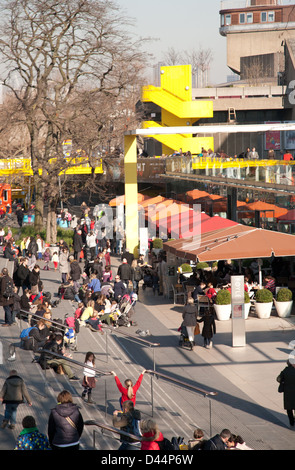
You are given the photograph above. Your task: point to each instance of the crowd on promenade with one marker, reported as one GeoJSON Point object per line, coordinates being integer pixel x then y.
{"type": "Point", "coordinates": [88, 281]}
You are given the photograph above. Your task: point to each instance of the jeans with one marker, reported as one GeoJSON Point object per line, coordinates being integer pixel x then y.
{"type": "Point", "coordinates": [10, 412]}
{"type": "Point", "coordinates": [8, 314]}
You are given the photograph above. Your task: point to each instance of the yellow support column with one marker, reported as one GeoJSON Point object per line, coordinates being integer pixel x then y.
{"type": "Point", "coordinates": [131, 191]}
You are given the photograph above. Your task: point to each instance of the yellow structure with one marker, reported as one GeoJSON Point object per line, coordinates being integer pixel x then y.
{"type": "Point", "coordinates": [174, 97]}
{"type": "Point", "coordinates": [22, 166]}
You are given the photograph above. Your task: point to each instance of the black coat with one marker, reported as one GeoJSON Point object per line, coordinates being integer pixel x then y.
{"type": "Point", "coordinates": [119, 289]}
{"type": "Point", "coordinates": [3, 300]}
{"type": "Point", "coordinates": [209, 327]}
{"type": "Point", "coordinates": [34, 277]}
{"type": "Point", "coordinates": [21, 275]}
{"type": "Point", "coordinates": [75, 271]}
{"type": "Point", "coordinates": [125, 272]}
{"type": "Point", "coordinates": [287, 376]}
{"type": "Point", "coordinates": [9, 253]}
{"type": "Point", "coordinates": [77, 242]}
{"type": "Point", "coordinates": [215, 443]}
{"type": "Point", "coordinates": [60, 431]}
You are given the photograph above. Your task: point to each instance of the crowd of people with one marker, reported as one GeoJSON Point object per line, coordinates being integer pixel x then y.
{"type": "Point", "coordinates": [88, 281]}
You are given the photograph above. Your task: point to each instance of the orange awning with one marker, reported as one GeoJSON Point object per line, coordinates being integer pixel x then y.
{"type": "Point", "coordinates": [264, 207]}
{"type": "Point", "coordinates": [121, 199]}
{"type": "Point", "coordinates": [236, 242]}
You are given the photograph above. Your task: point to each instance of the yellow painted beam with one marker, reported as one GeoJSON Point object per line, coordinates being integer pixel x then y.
{"type": "Point", "coordinates": [174, 97]}
{"type": "Point", "coordinates": [131, 190]}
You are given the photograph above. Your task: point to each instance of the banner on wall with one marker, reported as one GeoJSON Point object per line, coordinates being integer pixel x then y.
{"type": "Point", "coordinates": [272, 138]}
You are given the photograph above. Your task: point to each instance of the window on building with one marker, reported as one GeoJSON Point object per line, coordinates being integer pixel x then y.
{"type": "Point", "coordinates": [249, 17]}
{"type": "Point", "coordinates": [222, 20]}
{"type": "Point", "coordinates": [227, 20]}
{"type": "Point", "coordinates": [271, 16]}
{"type": "Point", "coordinates": [263, 17]}
{"type": "Point", "coordinates": [242, 18]}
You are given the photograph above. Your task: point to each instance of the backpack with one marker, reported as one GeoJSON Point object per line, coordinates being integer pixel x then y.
{"type": "Point", "coordinates": [25, 333]}
{"type": "Point", "coordinates": [9, 289]}
{"type": "Point", "coordinates": [165, 444]}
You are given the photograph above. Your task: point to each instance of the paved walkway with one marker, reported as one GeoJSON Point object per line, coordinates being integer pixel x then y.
{"type": "Point", "coordinates": [245, 378]}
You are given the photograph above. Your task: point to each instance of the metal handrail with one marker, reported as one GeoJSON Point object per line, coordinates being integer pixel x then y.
{"type": "Point", "coordinates": [73, 361]}
{"type": "Point", "coordinates": [180, 382]}
{"type": "Point", "coordinates": [91, 422]}
{"type": "Point", "coordinates": [39, 317]}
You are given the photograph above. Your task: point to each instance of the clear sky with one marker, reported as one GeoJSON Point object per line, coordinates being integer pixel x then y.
{"type": "Point", "coordinates": [180, 24]}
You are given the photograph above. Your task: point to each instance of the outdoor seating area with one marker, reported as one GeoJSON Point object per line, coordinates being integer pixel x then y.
{"type": "Point", "coordinates": [263, 257]}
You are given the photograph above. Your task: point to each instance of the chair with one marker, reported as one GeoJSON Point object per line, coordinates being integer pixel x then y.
{"type": "Point", "coordinates": [203, 302]}
{"type": "Point", "coordinates": [178, 293]}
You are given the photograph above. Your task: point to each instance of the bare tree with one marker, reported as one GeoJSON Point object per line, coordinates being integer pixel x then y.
{"type": "Point", "coordinates": [172, 57]}
{"type": "Point", "coordinates": [200, 60]}
{"type": "Point", "coordinates": [58, 59]}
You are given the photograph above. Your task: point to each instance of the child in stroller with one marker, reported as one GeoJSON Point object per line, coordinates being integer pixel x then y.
{"type": "Point", "coordinates": [184, 340]}
{"type": "Point", "coordinates": [125, 310]}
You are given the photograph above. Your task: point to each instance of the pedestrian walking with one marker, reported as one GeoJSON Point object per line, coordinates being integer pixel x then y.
{"type": "Point", "coordinates": [13, 393]}
{"type": "Point", "coordinates": [55, 260]}
{"type": "Point", "coordinates": [287, 386]}
{"type": "Point", "coordinates": [129, 391]}
{"type": "Point", "coordinates": [30, 438]}
{"type": "Point", "coordinates": [209, 328]}
{"type": "Point", "coordinates": [65, 424]}
{"type": "Point", "coordinates": [189, 317]}
{"type": "Point", "coordinates": [89, 380]}
{"type": "Point", "coordinates": [6, 296]}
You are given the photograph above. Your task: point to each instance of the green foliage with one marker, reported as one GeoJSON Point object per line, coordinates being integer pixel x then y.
{"type": "Point", "coordinates": [223, 297]}
{"type": "Point", "coordinates": [186, 268]}
{"type": "Point", "coordinates": [202, 265]}
{"type": "Point", "coordinates": [263, 296]}
{"type": "Point", "coordinates": [246, 298]}
{"type": "Point", "coordinates": [158, 243]}
{"type": "Point", "coordinates": [29, 231]}
{"type": "Point", "coordinates": [284, 295]}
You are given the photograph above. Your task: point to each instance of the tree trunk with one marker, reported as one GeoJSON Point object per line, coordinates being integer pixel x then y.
{"type": "Point", "coordinates": [39, 206]}
{"type": "Point", "coordinates": [51, 229]}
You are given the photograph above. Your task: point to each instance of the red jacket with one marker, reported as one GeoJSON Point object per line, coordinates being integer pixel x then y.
{"type": "Point", "coordinates": [123, 390]}
{"type": "Point", "coordinates": [149, 443]}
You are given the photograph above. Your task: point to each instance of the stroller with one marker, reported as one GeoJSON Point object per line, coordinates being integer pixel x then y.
{"type": "Point", "coordinates": [71, 331]}
{"type": "Point", "coordinates": [126, 310]}
{"type": "Point", "coordinates": [183, 340]}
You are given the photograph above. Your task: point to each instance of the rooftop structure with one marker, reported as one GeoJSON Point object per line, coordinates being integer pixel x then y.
{"type": "Point", "coordinates": [256, 31]}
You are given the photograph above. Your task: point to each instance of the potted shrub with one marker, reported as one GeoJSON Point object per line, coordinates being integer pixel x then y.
{"type": "Point", "coordinates": [157, 245]}
{"type": "Point", "coordinates": [203, 265]}
{"type": "Point", "coordinates": [263, 303]}
{"type": "Point", "coordinates": [222, 305]}
{"type": "Point", "coordinates": [247, 305]}
{"type": "Point", "coordinates": [186, 269]}
{"type": "Point", "coordinates": [284, 302]}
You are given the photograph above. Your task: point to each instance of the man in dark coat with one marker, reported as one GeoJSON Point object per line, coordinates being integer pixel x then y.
{"type": "Point", "coordinates": [22, 274]}
{"type": "Point", "coordinates": [218, 442]}
{"type": "Point", "coordinates": [20, 216]}
{"type": "Point", "coordinates": [125, 272]}
{"type": "Point", "coordinates": [77, 244]}
{"type": "Point", "coordinates": [6, 301]}
{"type": "Point", "coordinates": [119, 289]}
{"type": "Point", "coordinates": [287, 379]}
{"type": "Point", "coordinates": [75, 273]}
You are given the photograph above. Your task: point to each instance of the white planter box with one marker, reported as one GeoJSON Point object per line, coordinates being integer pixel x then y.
{"type": "Point", "coordinates": [263, 310]}
{"type": "Point", "coordinates": [284, 309]}
{"type": "Point", "coordinates": [246, 310]}
{"type": "Point", "coordinates": [223, 312]}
